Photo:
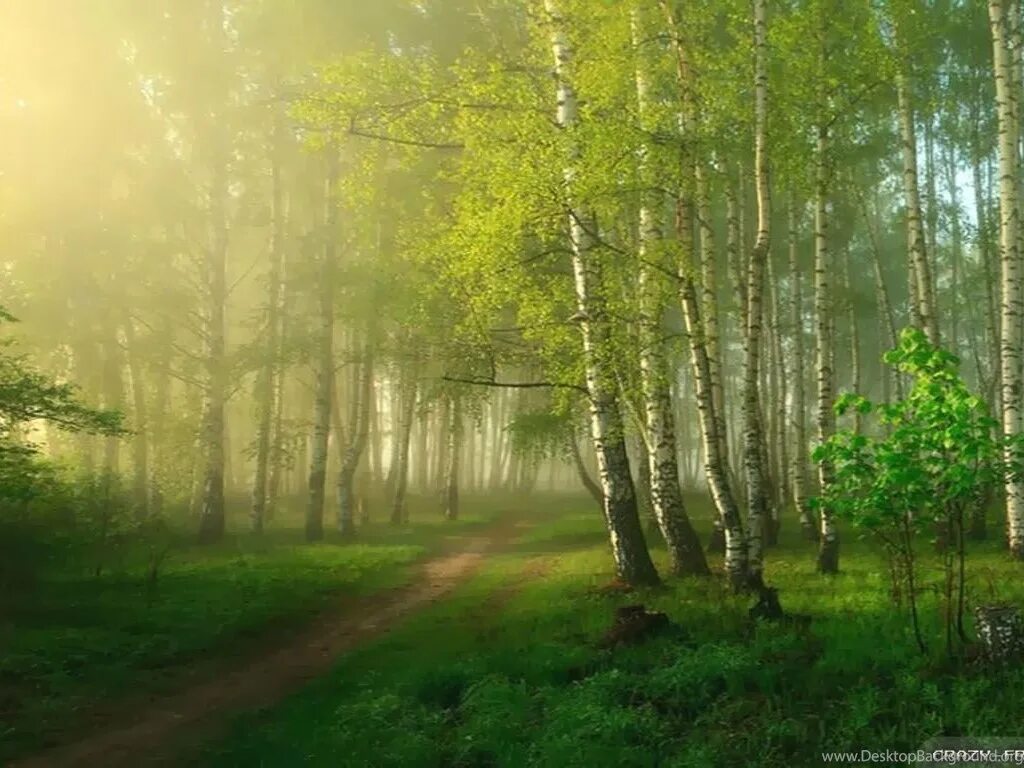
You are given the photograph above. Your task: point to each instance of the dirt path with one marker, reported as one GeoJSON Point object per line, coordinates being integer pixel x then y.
{"type": "Point", "coordinates": [157, 732]}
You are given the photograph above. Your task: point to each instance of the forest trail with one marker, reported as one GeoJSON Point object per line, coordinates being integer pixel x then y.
{"type": "Point", "coordinates": [163, 732]}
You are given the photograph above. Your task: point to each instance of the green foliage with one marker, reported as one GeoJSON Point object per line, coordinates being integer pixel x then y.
{"type": "Point", "coordinates": [539, 432]}
{"type": "Point", "coordinates": [27, 395]}
{"type": "Point", "coordinates": [938, 448]}
{"type": "Point", "coordinates": [937, 451]}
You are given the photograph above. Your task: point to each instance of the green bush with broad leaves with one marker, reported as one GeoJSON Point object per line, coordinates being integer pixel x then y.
{"type": "Point", "coordinates": [932, 455]}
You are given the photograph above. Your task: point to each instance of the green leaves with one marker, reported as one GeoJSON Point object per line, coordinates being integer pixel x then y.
{"type": "Point", "coordinates": [940, 448]}
{"type": "Point", "coordinates": [27, 395]}
{"type": "Point", "coordinates": [848, 401]}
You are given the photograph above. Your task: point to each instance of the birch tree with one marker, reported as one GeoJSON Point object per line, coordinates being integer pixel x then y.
{"type": "Point", "coordinates": [633, 562]}
{"type": "Point", "coordinates": [265, 387]}
{"type": "Point", "coordinates": [659, 439]}
{"type": "Point", "coordinates": [1009, 258]}
{"type": "Point", "coordinates": [324, 356]}
{"type": "Point", "coordinates": [357, 444]}
{"type": "Point", "coordinates": [211, 517]}
{"type": "Point", "coordinates": [754, 470]}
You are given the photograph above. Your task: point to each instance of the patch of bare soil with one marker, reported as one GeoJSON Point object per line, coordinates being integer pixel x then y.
{"type": "Point", "coordinates": [155, 733]}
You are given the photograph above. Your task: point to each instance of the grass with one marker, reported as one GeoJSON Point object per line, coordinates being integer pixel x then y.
{"type": "Point", "coordinates": [504, 675]}
{"type": "Point", "coordinates": [73, 642]}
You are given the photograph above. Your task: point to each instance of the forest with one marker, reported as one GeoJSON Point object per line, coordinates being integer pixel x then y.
{"type": "Point", "coordinates": [506, 383]}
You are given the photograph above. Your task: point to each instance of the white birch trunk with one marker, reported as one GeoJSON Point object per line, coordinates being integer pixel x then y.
{"type": "Point", "coordinates": [354, 451]}
{"type": "Point", "coordinates": [799, 407]}
{"type": "Point", "coordinates": [924, 290]}
{"type": "Point", "coordinates": [451, 490]}
{"type": "Point", "coordinates": [399, 506]}
{"type": "Point", "coordinates": [754, 471]}
{"type": "Point", "coordinates": [716, 462]}
{"type": "Point", "coordinates": [828, 552]}
{"type": "Point", "coordinates": [709, 314]}
{"type": "Point", "coordinates": [632, 559]}
{"type": "Point", "coordinates": [685, 553]}
{"type": "Point", "coordinates": [1009, 256]}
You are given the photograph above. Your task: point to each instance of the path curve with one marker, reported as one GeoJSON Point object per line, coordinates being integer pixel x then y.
{"type": "Point", "coordinates": [153, 736]}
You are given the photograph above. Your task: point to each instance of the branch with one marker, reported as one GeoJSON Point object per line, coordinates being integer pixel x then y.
{"type": "Point", "coordinates": [245, 274]}
{"type": "Point", "coordinates": [355, 131]}
{"type": "Point", "coordinates": [515, 385]}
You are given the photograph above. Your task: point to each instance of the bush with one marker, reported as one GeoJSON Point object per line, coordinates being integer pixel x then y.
{"type": "Point", "coordinates": [937, 451]}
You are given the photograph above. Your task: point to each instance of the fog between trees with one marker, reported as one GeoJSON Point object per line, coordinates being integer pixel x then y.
{"type": "Point", "coordinates": [330, 251]}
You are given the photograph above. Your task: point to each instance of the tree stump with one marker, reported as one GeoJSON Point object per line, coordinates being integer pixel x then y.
{"type": "Point", "coordinates": [1001, 631]}
{"type": "Point", "coordinates": [633, 624]}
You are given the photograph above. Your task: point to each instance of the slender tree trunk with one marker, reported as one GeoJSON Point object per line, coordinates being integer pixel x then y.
{"type": "Point", "coordinates": [983, 245]}
{"type": "Point", "coordinates": [140, 441]}
{"type": "Point", "coordinates": [851, 315]}
{"type": "Point", "coordinates": [1010, 332]}
{"type": "Point", "coordinates": [799, 407]}
{"type": "Point", "coordinates": [754, 470]}
{"type": "Point", "coordinates": [158, 424]}
{"type": "Point", "coordinates": [709, 313]}
{"type": "Point", "coordinates": [442, 433]}
{"type": "Point", "coordinates": [469, 461]}
{"type": "Point", "coordinates": [885, 311]}
{"type": "Point", "coordinates": [394, 418]}
{"type": "Point", "coordinates": [363, 394]}
{"type": "Point", "coordinates": [451, 491]}
{"type": "Point", "coordinates": [582, 472]}
{"type": "Point", "coordinates": [496, 410]}
{"type": "Point", "coordinates": [113, 399]}
{"type": "Point", "coordinates": [924, 298]}
{"type": "Point", "coordinates": [642, 483]}
{"type": "Point", "coordinates": [399, 506]}
{"type": "Point", "coordinates": [277, 444]}
{"type": "Point", "coordinates": [931, 194]}
{"type": "Point", "coordinates": [376, 456]}
{"type": "Point", "coordinates": [956, 253]}
{"type": "Point", "coordinates": [828, 552]}
{"type": "Point", "coordinates": [229, 455]}
{"type": "Point", "coordinates": [211, 516]}
{"type": "Point", "coordinates": [265, 401]}
{"type": "Point", "coordinates": [658, 448]}
{"type": "Point", "coordinates": [324, 361]}
{"type": "Point", "coordinates": [86, 368]}
{"type": "Point", "coordinates": [422, 449]}
{"type": "Point", "coordinates": [716, 467]}
{"type": "Point", "coordinates": [731, 437]}
{"type": "Point", "coordinates": [632, 559]}
{"type": "Point", "coordinates": [780, 394]}
{"type": "Point", "coordinates": [511, 473]}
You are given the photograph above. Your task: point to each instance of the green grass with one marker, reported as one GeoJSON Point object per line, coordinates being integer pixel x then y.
{"type": "Point", "coordinates": [484, 680]}
{"type": "Point", "coordinates": [72, 642]}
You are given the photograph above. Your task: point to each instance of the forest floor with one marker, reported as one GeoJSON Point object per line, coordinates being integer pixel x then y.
{"type": "Point", "coordinates": [108, 678]}
{"type": "Point", "coordinates": [490, 656]}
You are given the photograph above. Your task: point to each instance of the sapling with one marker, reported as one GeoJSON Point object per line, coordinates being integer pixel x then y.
{"type": "Point", "coordinates": [933, 454]}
